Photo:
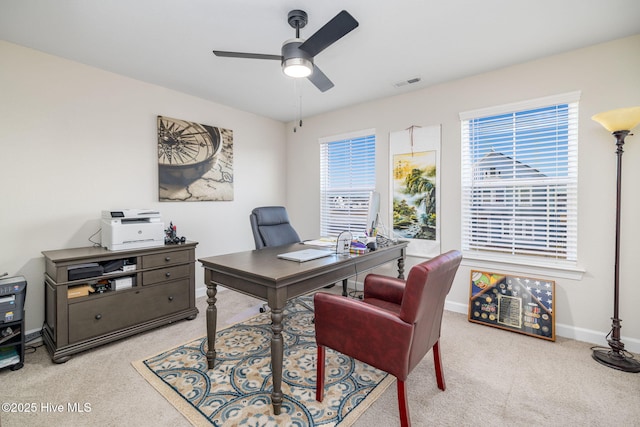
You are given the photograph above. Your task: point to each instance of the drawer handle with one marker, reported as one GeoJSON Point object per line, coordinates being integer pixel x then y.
{"type": "Point", "coordinates": [170, 298]}
{"type": "Point", "coordinates": [168, 258]}
{"type": "Point", "coordinates": [98, 316]}
{"type": "Point", "coordinates": [168, 274]}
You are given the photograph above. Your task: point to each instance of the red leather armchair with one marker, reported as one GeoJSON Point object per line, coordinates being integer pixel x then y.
{"type": "Point", "coordinates": [393, 327]}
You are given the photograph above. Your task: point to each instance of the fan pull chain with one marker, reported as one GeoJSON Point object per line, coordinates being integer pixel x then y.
{"type": "Point", "coordinates": [297, 89]}
{"type": "Point", "coordinates": [300, 112]}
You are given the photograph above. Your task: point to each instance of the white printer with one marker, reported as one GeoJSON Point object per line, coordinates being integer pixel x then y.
{"type": "Point", "coordinates": [132, 229]}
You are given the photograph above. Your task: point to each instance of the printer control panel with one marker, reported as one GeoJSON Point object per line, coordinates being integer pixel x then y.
{"type": "Point", "coordinates": [12, 285]}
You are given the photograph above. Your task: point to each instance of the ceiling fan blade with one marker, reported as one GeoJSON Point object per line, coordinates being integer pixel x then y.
{"type": "Point", "coordinates": [341, 24]}
{"type": "Point", "coordinates": [320, 80]}
{"type": "Point", "coordinates": [246, 55]}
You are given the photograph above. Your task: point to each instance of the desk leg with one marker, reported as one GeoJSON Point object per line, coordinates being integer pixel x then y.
{"type": "Point", "coordinates": [277, 355]}
{"type": "Point", "coordinates": [212, 318]}
{"type": "Point", "coordinates": [401, 268]}
{"type": "Point", "coordinates": [277, 298]}
{"type": "Point", "coordinates": [344, 287]}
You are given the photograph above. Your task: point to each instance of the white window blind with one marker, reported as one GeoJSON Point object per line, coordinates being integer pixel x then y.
{"type": "Point", "coordinates": [347, 177]}
{"type": "Point", "coordinates": [519, 180]}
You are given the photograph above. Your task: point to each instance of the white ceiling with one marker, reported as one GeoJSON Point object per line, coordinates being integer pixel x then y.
{"type": "Point", "coordinates": [169, 42]}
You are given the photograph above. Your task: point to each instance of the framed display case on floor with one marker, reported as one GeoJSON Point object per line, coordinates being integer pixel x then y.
{"type": "Point", "coordinates": [514, 303]}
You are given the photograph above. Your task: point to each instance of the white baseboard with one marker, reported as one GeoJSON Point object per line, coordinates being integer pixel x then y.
{"type": "Point", "coordinates": [566, 331]}
{"type": "Point", "coordinates": [595, 337]}
{"type": "Point", "coordinates": [201, 292]}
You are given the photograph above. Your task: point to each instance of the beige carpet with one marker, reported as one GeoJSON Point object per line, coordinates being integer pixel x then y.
{"type": "Point", "coordinates": [238, 390]}
{"type": "Point", "coordinates": [493, 377]}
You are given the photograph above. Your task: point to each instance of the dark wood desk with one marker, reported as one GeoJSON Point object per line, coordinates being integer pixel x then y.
{"type": "Point", "coordinates": [261, 274]}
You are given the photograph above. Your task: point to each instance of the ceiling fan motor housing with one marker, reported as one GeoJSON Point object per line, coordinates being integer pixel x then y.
{"type": "Point", "coordinates": [290, 50]}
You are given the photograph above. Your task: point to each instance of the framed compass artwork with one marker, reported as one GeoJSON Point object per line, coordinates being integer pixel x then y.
{"type": "Point", "coordinates": [514, 303]}
{"type": "Point", "coordinates": [195, 161]}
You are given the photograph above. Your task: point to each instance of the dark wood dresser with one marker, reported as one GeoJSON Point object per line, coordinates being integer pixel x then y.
{"type": "Point", "coordinates": [138, 290]}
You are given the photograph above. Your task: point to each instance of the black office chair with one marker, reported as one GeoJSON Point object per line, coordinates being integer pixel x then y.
{"type": "Point", "coordinates": [271, 227]}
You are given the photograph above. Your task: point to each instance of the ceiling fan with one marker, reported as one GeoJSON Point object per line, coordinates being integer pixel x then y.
{"type": "Point", "coordinates": [298, 54]}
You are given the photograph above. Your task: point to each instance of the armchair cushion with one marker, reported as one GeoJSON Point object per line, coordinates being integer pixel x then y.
{"type": "Point", "coordinates": [384, 292]}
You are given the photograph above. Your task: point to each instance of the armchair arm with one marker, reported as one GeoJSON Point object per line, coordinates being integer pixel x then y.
{"type": "Point", "coordinates": [364, 332]}
{"type": "Point", "coordinates": [384, 288]}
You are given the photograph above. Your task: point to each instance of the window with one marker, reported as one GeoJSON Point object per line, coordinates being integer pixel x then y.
{"type": "Point", "coordinates": [519, 181]}
{"type": "Point", "coordinates": [347, 177]}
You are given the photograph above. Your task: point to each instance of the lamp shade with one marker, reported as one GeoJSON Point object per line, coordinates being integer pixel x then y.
{"type": "Point", "coordinates": [620, 119]}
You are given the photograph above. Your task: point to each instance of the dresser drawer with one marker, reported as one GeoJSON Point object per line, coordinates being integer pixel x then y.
{"type": "Point", "coordinates": [165, 274]}
{"type": "Point", "coordinates": [168, 258]}
{"type": "Point", "coordinates": [118, 310]}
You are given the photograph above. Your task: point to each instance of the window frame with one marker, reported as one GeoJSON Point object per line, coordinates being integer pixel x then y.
{"type": "Point", "coordinates": [469, 184]}
{"type": "Point", "coordinates": [357, 192]}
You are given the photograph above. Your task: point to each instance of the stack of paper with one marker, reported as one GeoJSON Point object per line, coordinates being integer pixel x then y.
{"type": "Point", "coordinates": [327, 242]}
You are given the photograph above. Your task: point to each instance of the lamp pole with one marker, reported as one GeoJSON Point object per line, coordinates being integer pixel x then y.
{"type": "Point", "coordinates": [615, 342]}
{"type": "Point", "coordinates": [616, 357]}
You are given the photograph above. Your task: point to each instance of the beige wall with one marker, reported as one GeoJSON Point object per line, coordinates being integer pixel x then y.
{"type": "Point", "coordinates": [76, 140]}
{"type": "Point", "coordinates": [608, 77]}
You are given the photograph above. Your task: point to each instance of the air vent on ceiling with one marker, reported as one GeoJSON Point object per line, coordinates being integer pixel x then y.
{"type": "Point", "coordinates": [407, 82]}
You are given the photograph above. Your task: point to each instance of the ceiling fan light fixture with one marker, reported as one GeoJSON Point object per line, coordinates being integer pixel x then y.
{"type": "Point", "coordinates": [297, 59]}
{"type": "Point", "coordinates": [297, 67]}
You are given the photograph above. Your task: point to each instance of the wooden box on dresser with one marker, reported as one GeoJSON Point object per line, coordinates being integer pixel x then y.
{"type": "Point", "coordinates": [156, 288]}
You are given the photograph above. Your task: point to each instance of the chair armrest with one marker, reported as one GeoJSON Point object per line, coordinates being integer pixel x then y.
{"type": "Point", "coordinates": [384, 288]}
{"type": "Point", "coordinates": [364, 332]}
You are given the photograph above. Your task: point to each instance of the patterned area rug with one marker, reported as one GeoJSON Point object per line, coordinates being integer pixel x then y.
{"type": "Point", "coordinates": [238, 390]}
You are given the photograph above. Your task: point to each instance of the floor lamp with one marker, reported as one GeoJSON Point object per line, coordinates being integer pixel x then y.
{"type": "Point", "coordinates": [620, 122]}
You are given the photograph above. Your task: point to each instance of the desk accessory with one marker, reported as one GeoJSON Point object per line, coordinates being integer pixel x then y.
{"type": "Point", "coordinates": [343, 243]}
{"type": "Point", "coordinates": [171, 235]}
